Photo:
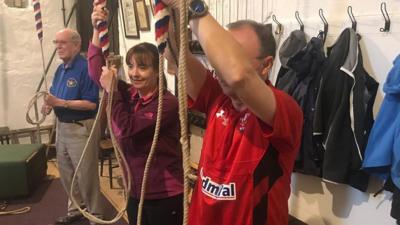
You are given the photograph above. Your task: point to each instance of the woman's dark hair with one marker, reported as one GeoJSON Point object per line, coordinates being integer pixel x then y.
{"type": "Point", "coordinates": [146, 54]}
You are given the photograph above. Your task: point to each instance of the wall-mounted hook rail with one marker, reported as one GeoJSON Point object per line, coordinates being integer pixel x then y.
{"type": "Point", "coordinates": [386, 17]}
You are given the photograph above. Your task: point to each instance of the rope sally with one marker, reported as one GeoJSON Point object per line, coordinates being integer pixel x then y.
{"type": "Point", "coordinates": [38, 19]}
{"type": "Point", "coordinates": [90, 142]}
{"type": "Point", "coordinates": [102, 27]}
{"type": "Point", "coordinates": [162, 20]}
{"type": "Point", "coordinates": [182, 97]}
{"type": "Point", "coordinates": [107, 99]}
{"type": "Point", "coordinates": [162, 25]}
{"type": "Point", "coordinates": [39, 94]}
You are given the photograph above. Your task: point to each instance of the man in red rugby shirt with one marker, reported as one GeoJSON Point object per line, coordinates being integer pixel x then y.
{"type": "Point", "coordinates": [253, 130]}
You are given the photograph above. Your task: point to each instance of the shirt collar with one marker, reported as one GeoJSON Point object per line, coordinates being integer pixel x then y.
{"type": "Point", "coordinates": [71, 63]}
{"type": "Point", "coordinates": [144, 100]}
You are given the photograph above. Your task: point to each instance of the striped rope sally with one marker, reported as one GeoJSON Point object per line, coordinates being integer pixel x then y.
{"type": "Point", "coordinates": [102, 27]}
{"type": "Point", "coordinates": [38, 19]}
{"type": "Point", "coordinates": [104, 106]}
{"type": "Point", "coordinates": [162, 20]}
{"type": "Point", "coordinates": [40, 94]}
{"type": "Point", "coordinates": [161, 26]}
{"type": "Point", "coordinates": [162, 17]}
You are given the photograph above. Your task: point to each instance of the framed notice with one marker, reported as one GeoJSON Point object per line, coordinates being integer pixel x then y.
{"type": "Point", "coordinates": [142, 15]}
{"type": "Point", "coordinates": [130, 19]}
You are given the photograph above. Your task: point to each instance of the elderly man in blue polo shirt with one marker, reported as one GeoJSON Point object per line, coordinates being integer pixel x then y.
{"type": "Point", "coordinates": [74, 98]}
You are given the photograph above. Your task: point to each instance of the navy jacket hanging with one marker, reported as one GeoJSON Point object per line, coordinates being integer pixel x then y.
{"type": "Point", "coordinates": [343, 116]}
{"type": "Point", "coordinates": [301, 81]}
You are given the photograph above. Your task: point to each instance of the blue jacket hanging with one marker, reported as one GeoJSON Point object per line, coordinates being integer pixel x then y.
{"type": "Point", "coordinates": [382, 156]}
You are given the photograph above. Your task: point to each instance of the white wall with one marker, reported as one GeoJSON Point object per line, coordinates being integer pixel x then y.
{"type": "Point", "coordinates": [20, 57]}
{"type": "Point", "coordinates": [314, 201]}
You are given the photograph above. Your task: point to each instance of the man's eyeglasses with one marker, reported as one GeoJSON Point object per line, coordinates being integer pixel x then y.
{"type": "Point", "coordinates": [60, 42]}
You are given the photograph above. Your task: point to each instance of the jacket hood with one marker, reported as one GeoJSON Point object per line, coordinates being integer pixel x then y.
{"type": "Point", "coordinates": [291, 46]}
{"type": "Point", "coordinates": [392, 83]}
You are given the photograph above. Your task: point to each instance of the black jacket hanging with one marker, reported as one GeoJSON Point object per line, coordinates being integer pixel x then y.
{"type": "Point", "coordinates": [343, 116]}
{"type": "Point", "coordinates": [301, 81]}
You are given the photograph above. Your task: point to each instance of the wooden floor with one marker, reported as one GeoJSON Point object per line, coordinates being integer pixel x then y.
{"type": "Point", "coordinates": [114, 195]}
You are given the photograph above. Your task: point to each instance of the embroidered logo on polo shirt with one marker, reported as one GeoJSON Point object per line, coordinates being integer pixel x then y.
{"type": "Point", "coordinates": [221, 115]}
{"type": "Point", "coordinates": [149, 115]}
{"type": "Point", "coordinates": [217, 191]}
{"type": "Point", "coordinates": [71, 82]}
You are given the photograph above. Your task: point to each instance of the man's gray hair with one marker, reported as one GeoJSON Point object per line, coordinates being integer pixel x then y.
{"type": "Point", "coordinates": [263, 32]}
{"type": "Point", "coordinates": [75, 37]}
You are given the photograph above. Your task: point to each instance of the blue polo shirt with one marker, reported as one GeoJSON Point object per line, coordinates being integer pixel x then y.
{"type": "Point", "coordinates": [72, 82]}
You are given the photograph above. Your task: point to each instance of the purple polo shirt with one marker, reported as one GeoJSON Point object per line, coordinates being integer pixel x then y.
{"type": "Point", "coordinates": [133, 121]}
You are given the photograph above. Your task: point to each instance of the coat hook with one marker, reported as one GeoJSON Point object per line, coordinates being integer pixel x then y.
{"type": "Point", "coordinates": [352, 18]}
{"type": "Point", "coordinates": [386, 16]}
{"type": "Point", "coordinates": [279, 25]}
{"type": "Point", "coordinates": [299, 20]}
{"type": "Point", "coordinates": [326, 25]}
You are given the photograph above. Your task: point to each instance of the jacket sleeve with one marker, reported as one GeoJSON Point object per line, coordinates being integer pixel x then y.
{"type": "Point", "coordinates": [95, 62]}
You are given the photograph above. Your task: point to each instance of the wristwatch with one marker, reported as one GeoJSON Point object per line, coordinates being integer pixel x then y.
{"type": "Point", "coordinates": [197, 8]}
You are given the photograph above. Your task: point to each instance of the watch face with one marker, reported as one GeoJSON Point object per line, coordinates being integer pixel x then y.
{"type": "Point", "coordinates": [197, 6]}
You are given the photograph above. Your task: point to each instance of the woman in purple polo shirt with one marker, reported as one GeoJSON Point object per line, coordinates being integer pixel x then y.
{"type": "Point", "coordinates": [134, 113]}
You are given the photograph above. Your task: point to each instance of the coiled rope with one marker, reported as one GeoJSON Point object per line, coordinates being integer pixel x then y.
{"type": "Point", "coordinates": [3, 207]}
{"type": "Point", "coordinates": [119, 155]}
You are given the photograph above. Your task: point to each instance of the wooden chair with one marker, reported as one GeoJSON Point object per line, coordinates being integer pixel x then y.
{"type": "Point", "coordinates": [107, 154]}
{"type": "Point", "coordinates": [4, 135]}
